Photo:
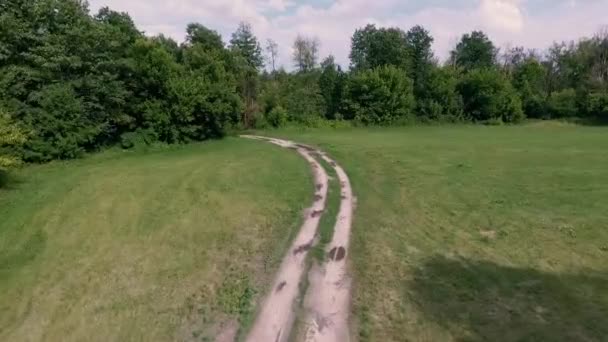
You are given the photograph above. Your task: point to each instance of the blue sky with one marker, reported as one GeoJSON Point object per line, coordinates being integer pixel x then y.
{"type": "Point", "coordinates": [531, 23]}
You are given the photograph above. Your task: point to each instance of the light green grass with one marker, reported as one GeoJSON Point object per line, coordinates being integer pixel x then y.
{"type": "Point", "coordinates": [159, 246]}
{"type": "Point", "coordinates": [471, 233]}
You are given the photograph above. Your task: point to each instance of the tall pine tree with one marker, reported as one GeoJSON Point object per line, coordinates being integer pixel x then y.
{"type": "Point", "coordinates": [246, 44]}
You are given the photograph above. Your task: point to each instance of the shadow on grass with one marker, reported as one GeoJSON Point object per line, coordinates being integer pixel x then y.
{"type": "Point", "coordinates": [483, 301]}
{"type": "Point", "coordinates": [9, 180]}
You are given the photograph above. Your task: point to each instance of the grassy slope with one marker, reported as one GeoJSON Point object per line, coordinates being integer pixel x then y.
{"type": "Point", "coordinates": [477, 233]}
{"type": "Point", "coordinates": [146, 246]}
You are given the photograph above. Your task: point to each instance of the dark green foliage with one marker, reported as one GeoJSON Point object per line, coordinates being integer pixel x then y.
{"type": "Point", "coordinates": [383, 95]}
{"type": "Point", "coordinates": [372, 47]}
{"type": "Point", "coordinates": [529, 81]}
{"type": "Point", "coordinates": [277, 117]}
{"type": "Point", "coordinates": [200, 108]}
{"type": "Point", "coordinates": [418, 46]}
{"type": "Point", "coordinates": [440, 100]}
{"type": "Point", "coordinates": [331, 84]}
{"type": "Point", "coordinates": [298, 93]}
{"type": "Point", "coordinates": [597, 106]}
{"type": "Point", "coordinates": [77, 82]}
{"type": "Point", "coordinates": [474, 50]}
{"type": "Point", "coordinates": [208, 39]}
{"type": "Point", "coordinates": [488, 96]}
{"type": "Point", "coordinates": [246, 44]}
{"type": "Point", "coordinates": [562, 104]}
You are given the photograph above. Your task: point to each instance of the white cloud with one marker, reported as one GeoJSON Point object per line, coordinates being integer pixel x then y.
{"type": "Point", "coordinates": [506, 21]}
{"type": "Point", "coordinates": [502, 14]}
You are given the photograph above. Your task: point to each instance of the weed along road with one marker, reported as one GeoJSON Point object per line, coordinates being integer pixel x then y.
{"type": "Point", "coordinates": [327, 300]}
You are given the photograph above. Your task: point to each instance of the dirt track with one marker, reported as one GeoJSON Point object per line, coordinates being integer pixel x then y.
{"type": "Point", "coordinates": [327, 301]}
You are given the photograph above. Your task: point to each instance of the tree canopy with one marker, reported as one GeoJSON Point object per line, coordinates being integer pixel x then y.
{"type": "Point", "coordinates": [475, 50]}
{"type": "Point", "coordinates": [77, 82]}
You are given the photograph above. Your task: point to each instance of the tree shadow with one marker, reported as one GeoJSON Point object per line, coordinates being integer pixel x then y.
{"type": "Point", "coordinates": [8, 180]}
{"type": "Point", "coordinates": [483, 301]}
{"type": "Point", "coordinates": [592, 121]}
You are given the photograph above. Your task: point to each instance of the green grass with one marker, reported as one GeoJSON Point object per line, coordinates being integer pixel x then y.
{"type": "Point", "coordinates": [328, 220]}
{"type": "Point", "coordinates": [157, 246]}
{"type": "Point", "coordinates": [472, 233]}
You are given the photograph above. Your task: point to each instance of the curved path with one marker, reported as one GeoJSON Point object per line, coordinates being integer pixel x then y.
{"type": "Point", "coordinates": [327, 301]}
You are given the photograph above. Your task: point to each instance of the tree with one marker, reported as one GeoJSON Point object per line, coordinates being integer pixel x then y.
{"type": "Point", "coordinates": [168, 44]}
{"type": "Point", "coordinates": [249, 60]}
{"type": "Point", "coordinates": [66, 84]}
{"type": "Point", "coordinates": [246, 44]}
{"type": "Point", "coordinates": [201, 108]}
{"type": "Point", "coordinates": [528, 78]}
{"type": "Point", "coordinates": [208, 39]}
{"type": "Point", "coordinates": [331, 83]}
{"type": "Point", "coordinates": [441, 100]}
{"type": "Point", "coordinates": [474, 50]}
{"type": "Point", "coordinates": [599, 68]}
{"type": "Point", "coordinates": [305, 53]}
{"type": "Point", "coordinates": [418, 43]}
{"type": "Point", "coordinates": [562, 104]}
{"type": "Point", "coordinates": [488, 96]}
{"type": "Point", "coordinates": [372, 47]}
{"type": "Point", "coordinates": [379, 96]}
{"type": "Point", "coordinates": [272, 51]}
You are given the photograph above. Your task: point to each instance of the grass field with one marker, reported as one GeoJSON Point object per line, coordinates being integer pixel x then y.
{"type": "Point", "coordinates": [461, 233]}
{"type": "Point", "coordinates": [169, 245]}
{"type": "Point", "coordinates": [472, 233]}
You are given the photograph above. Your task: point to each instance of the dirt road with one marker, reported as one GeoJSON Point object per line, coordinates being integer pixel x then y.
{"type": "Point", "coordinates": [327, 301]}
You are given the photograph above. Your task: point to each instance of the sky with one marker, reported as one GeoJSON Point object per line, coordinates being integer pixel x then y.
{"type": "Point", "coordinates": [528, 23]}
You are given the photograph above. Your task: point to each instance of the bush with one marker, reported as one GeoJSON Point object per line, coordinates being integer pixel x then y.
{"type": "Point", "coordinates": [529, 81]}
{"type": "Point", "coordinates": [200, 109]}
{"type": "Point", "coordinates": [440, 101]}
{"type": "Point", "coordinates": [139, 138]}
{"type": "Point", "coordinates": [379, 96]}
{"type": "Point", "coordinates": [62, 128]}
{"type": "Point", "coordinates": [277, 117]}
{"type": "Point", "coordinates": [488, 95]}
{"type": "Point", "coordinates": [562, 104]}
{"type": "Point", "coordinates": [10, 138]}
{"type": "Point", "coordinates": [597, 106]}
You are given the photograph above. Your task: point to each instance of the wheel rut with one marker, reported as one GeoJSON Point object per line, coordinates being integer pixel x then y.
{"type": "Point", "coordinates": [327, 299]}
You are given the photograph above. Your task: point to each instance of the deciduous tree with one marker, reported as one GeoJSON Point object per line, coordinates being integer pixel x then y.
{"type": "Point", "coordinates": [475, 50]}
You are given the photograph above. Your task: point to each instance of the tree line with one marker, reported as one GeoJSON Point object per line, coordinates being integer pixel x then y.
{"type": "Point", "coordinates": [73, 82]}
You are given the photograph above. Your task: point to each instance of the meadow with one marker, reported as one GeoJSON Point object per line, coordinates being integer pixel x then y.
{"type": "Point", "coordinates": [174, 244]}
{"type": "Point", "coordinates": [476, 233]}
{"type": "Point", "coordinates": [461, 233]}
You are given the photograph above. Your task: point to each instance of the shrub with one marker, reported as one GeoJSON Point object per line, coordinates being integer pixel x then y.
{"type": "Point", "coordinates": [488, 95]}
{"type": "Point", "coordinates": [277, 117]}
{"type": "Point", "coordinates": [62, 127]}
{"type": "Point", "coordinates": [200, 108]}
{"type": "Point", "coordinates": [597, 106]}
{"type": "Point", "coordinates": [529, 81]}
{"type": "Point", "coordinates": [139, 138]}
{"type": "Point", "coordinates": [440, 100]}
{"type": "Point", "coordinates": [562, 104]}
{"type": "Point", "coordinates": [379, 96]}
{"type": "Point", "coordinates": [10, 137]}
